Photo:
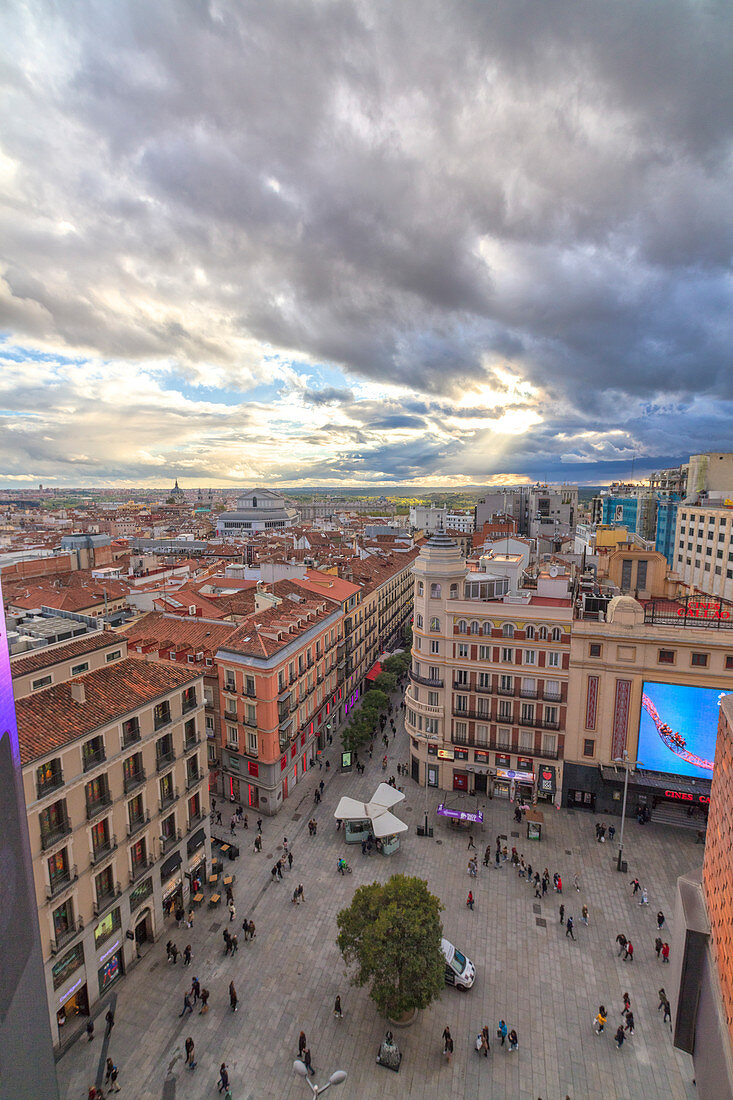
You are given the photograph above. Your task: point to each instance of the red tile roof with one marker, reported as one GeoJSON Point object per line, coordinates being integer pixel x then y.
{"type": "Point", "coordinates": [178, 632]}
{"type": "Point", "coordinates": [22, 664]}
{"type": "Point", "coordinates": [50, 719]}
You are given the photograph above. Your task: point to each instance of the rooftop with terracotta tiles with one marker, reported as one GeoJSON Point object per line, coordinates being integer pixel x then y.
{"type": "Point", "coordinates": [50, 655]}
{"type": "Point", "coordinates": [52, 718]}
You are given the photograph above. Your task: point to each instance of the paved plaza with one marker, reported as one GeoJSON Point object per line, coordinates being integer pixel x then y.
{"type": "Point", "coordinates": [528, 972]}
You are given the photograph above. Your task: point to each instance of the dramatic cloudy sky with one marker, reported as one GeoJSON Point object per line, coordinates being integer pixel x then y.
{"type": "Point", "coordinates": [343, 242]}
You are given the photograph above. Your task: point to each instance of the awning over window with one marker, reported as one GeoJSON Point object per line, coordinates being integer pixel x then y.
{"type": "Point", "coordinates": [374, 671]}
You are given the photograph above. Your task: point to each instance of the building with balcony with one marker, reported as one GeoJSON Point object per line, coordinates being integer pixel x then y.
{"type": "Point", "coordinates": [486, 705]}
{"type": "Point", "coordinates": [115, 786]}
{"type": "Point", "coordinates": [701, 983]}
{"type": "Point", "coordinates": [638, 680]}
{"type": "Point", "coordinates": [281, 678]}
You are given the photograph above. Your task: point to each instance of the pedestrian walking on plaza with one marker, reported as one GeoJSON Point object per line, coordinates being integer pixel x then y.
{"type": "Point", "coordinates": [110, 1018]}
{"type": "Point", "coordinates": [187, 1006]}
{"type": "Point", "coordinates": [273, 873]}
{"type": "Point", "coordinates": [300, 893]}
{"type": "Point", "coordinates": [658, 945]}
{"type": "Point", "coordinates": [545, 883]}
{"type": "Point", "coordinates": [285, 844]}
{"type": "Point", "coordinates": [629, 1022]}
{"type": "Point", "coordinates": [665, 952]}
{"type": "Point", "coordinates": [204, 1002]}
{"type": "Point", "coordinates": [660, 920]}
{"type": "Point", "coordinates": [611, 832]}
{"type": "Point", "coordinates": [513, 1040]}
{"type": "Point", "coordinates": [599, 1023]}
{"type": "Point", "coordinates": [232, 997]}
{"type": "Point", "coordinates": [497, 859]}
{"type": "Point", "coordinates": [584, 915]}
{"type": "Point", "coordinates": [501, 1032]}
{"type": "Point", "coordinates": [337, 1009]}
{"type": "Point", "coordinates": [294, 898]}
{"type": "Point", "coordinates": [487, 856]}
{"type": "Point", "coordinates": [644, 898]}
{"type": "Point", "coordinates": [187, 955]}
{"type": "Point", "coordinates": [308, 1063]}
{"type": "Point", "coordinates": [485, 1045]}
{"type": "Point", "coordinates": [537, 889]}
{"type": "Point", "coordinates": [90, 1029]}
{"type": "Point", "coordinates": [252, 930]}
{"type": "Point", "coordinates": [108, 1070]}
{"type": "Point", "coordinates": [619, 1037]}
{"type": "Point", "coordinates": [569, 928]}
{"type": "Point", "coordinates": [627, 1004]}
{"type": "Point", "coordinates": [302, 1044]}
{"type": "Point", "coordinates": [233, 826]}
{"type": "Point", "coordinates": [469, 900]}
{"type": "Point", "coordinates": [259, 824]}
{"type": "Point", "coordinates": [290, 861]}
{"type": "Point", "coordinates": [576, 880]}
{"type": "Point", "coordinates": [447, 1044]}
{"type": "Point", "coordinates": [629, 951]}
{"type": "Point", "coordinates": [232, 910]}
{"type": "Point", "coordinates": [279, 869]}
{"type": "Point", "coordinates": [195, 990]}
{"type": "Point", "coordinates": [562, 914]}
{"type": "Point", "coordinates": [621, 941]}
{"type": "Point", "coordinates": [113, 1086]}
{"type": "Point", "coordinates": [169, 951]}
{"type": "Point", "coordinates": [227, 941]}
{"type": "Point", "coordinates": [470, 842]}
{"type": "Point", "coordinates": [235, 943]}
{"type": "Point", "coordinates": [230, 894]}
{"type": "Point", "coordinates": [190, 1062]}
{"type": "Point", "coordinates": [258, 843]}
{"type": "Point", "coordinates": [223, 1077]}
{"type": "Point", "coordinates": [664, 1003]}
{"type": "Point", "coordinates": [637, 886]}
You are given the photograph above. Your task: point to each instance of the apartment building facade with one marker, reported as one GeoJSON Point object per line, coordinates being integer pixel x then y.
{"type": "Point", "coordinates": [281, 678]}
{"type": "Point", "coordinates": [650, 671]}
{"type": "Point", "coordinates": [486, 706]}
{"type": "Point", "coordinates": [703, 555]}
{"type": "Point", "coordinates": [115, 789]}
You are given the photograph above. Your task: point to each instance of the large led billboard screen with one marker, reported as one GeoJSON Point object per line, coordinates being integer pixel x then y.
{"type": "Point", "coordinates": [678, 728]}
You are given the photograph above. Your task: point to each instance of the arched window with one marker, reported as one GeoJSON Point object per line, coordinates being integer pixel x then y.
{"type": "Point", "coordinates": [474, 627]}
{"type": "Point", "coordinates": [434, 591]}
{"type": "Point", "coordinates": [420, 588]}
{"type": "Point", "coordinates": [418, 622]}
{"type": "Point", "coordinates": [435, 624]}
{"type": "Point", "coordinates": [462, 626]}
{"type": "Point", "coordinates": [542, 634]}
{"type": "Point", "coordinates": [529, 631]}
{"type": "Point", "coordinates": [486, 627]}
{"type": "Point", "coordinates": [556, 634]}
{"type": "Point", "coordinates": [454, 592]}
{"type": "Point", "coordinates": [254, 502]}
{"type": "Point", "coordinates": [507, 631]}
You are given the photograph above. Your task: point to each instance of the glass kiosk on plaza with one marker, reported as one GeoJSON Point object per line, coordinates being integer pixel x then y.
{"type": "Point", "coordinates": [374, 818]}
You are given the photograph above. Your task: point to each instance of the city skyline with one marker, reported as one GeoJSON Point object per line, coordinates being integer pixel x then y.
{"type": "Point", "coordinates": [435, 246]}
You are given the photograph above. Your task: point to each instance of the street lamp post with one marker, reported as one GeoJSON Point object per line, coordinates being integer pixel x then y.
{"type": "Point", "coordinates": [336, 1078]}
{"type": "Point", "coordinates": [626, 764]}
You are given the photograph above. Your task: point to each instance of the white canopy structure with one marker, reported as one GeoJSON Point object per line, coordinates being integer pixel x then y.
{"type": "Point", "coordinates": [378, 811]}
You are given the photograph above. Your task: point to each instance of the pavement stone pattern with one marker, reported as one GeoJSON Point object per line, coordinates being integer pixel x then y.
{"type": "Point", "coordinates": [529, 974]}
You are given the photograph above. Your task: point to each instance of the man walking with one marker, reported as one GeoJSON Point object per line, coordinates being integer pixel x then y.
{"type": "Point", "coordinates": [223, 1077]}
{"type": "Point", "coordinates": [187, 1006]}
{"type": "Point", "coordinates": [562, 914]}
{"type": "Point", "coordinates": [569, 929]}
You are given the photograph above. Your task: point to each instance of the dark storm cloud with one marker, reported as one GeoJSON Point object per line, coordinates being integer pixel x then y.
{"type": "Point", "coordinates": [414, 193]}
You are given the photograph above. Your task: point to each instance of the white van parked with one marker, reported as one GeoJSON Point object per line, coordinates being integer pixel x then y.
{"type": "Point", "coordinates": [459, 971]}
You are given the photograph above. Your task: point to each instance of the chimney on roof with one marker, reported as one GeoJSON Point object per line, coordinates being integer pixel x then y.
{"type": "Point", "coordinates": [77, 692]}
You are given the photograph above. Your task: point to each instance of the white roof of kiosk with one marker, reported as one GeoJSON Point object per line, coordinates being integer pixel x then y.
{"type": "Point", "coordinates": [377, 810]}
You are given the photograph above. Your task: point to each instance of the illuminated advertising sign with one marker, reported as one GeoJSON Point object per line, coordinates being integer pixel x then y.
{"type": "Point", "coordinates": [678, 728]}
{"type": "Point", "coordinates": [26, 1051]}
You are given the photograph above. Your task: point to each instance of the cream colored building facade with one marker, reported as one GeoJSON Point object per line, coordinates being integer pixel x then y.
{"type": "Point", "coordinates": [486, 704]}
{"type": "Point", "coordinates": [610, 663]}
{"type": "Point", "coordinates": [703, 555]}
{"type": "Point", "coordinates": [114, 776]}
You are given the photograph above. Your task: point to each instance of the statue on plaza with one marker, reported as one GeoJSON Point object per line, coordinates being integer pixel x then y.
{"type": "Point", "coordinates": [390, 1054]}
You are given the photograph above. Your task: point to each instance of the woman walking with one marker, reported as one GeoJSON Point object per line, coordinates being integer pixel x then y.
{"type": "Point", "coordinates": [599, 1023]}
{"type": "Point", "coordinates": [232, 997]}
{"type": "Point", "coordinates": [447, 1044]}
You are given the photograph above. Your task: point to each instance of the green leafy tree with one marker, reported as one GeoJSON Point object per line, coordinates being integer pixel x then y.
{"type": "Point", "coordinates": [357, 733]}
{"type": "Point", "coordinates": [386, 681]}
{"type": "Point", "coordinates": [374, 703]}
{"type": "Point", "coordinates": [393, 664]}
{"type": "Point", "coordinates": [391, 934]}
